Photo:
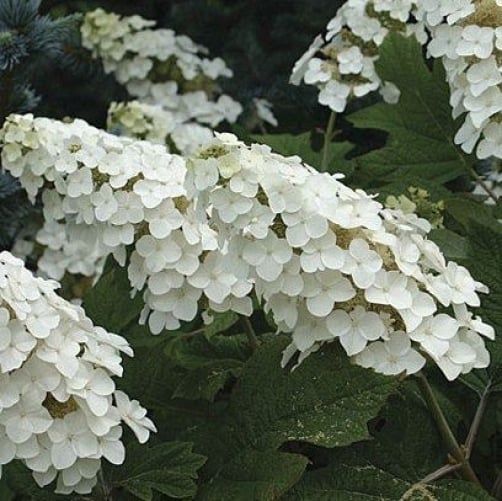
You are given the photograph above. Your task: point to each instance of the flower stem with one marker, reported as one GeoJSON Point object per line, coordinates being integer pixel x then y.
{"type": "Point", "coordinates": [254, 342]}
{"type": "Point", "coordinates": [328, 136]}
{"type": "Point", "coordinates": [478, 417]}
{"type": "Point", "coordinates": [454, 448]}
{"type": "Point", "coordinates": [105, 488]}
{"type": "Point", "coordinates": [440, 473]}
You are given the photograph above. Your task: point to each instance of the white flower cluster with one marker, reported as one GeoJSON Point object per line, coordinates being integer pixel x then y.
{"type": "Point", "coordinates": [467, 35]}
{"type": "Point", "coordinates": [60, 412]}
{"type": "Point", "coordinates": [159, 67]}
{"type": "Point", "coordinates": [159, 125]}
{"type": "Point", "coordinates": [328, 262]}
{"type": "Point", "coordinates": [341, 63]}
{"type": "Point", "coordinates": [43, 152]}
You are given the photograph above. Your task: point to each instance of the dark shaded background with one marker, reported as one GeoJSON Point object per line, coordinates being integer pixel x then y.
{"type": "Point", "coordinates": [259, 39]}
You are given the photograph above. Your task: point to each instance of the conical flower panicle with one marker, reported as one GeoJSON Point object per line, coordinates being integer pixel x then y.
{"type": "Point", "coordinates": [328, 262]}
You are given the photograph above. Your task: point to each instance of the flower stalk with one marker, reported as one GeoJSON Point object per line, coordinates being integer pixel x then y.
{"type": "Point", "coordinates": [254, 342]}
{"type": "Point", "coordinates": [328, 136]}
{"type": "Point", "coordinates": [454, 448]}
{"type": "Point", "coordinates": [476, 422]}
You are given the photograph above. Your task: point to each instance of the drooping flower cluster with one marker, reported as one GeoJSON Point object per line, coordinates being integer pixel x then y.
{"type": "Point", "coordinates": [159, 67]}
{"type": "Point", "coordinates": [467, 36]}
{"type": "Point", "coordinates": [60, 411]}
{"type": "Point", "coordinates": [340, 63]}
{"type": "Point", "coordinates": [326, 261]}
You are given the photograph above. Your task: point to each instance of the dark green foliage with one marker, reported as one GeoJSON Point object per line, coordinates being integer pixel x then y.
{"type": "Point", "coordinates": [326, 402]}
{"type": "Point", "coordinates": [108, 303]}
{"type": "Point", "coordinates": [452, 244]}
{"type": "Point", "coordinates": [209, 364]}
{"type": "Point", "coordinates": [405, 448]}
{"type": "Point", "coordinates": [221, 322]}
{"type": "Point", "coordinates": [420, 127]}
{"type": "Point", "coordinates": [484, 260]}
{"type": "Point", "coordinates": [169, 468]}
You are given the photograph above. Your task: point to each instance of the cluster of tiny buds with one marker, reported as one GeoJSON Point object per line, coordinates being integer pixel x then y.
{"type": "Point", "coordinates": [418, 200]}
{"type": "Point", "coordinates": [233, 222]}
{"type": "Point", "coordinates": [60, 411]}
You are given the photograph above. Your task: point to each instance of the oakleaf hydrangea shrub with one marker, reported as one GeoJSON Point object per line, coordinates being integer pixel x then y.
{"type": "Point", "coordinates": [232, 221]}
{"type": "Point", "coordinates": [182, 105]}
{"type": "Point", "coordinates": [60, 410]}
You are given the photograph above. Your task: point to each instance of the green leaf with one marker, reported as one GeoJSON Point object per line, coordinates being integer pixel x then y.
{"type": "Point", "coordinates": [336, 158]}
{"type": "Point", "coordinates": [458, 490]}
{"type": "Point", "coordinates": [199, 352]}
{"type": "Point", "coordinates": [406, 447]}
{"type": "Point", "coordinates": [400, 187]}
{"type": "Point", "coordinates": [478, 381]}
{"type": "Point", "coordinates": [263, 475]}
{"type": "Point", "coordinates": [497, 210]}
{"type": "Point", "coordinates": [17, 479]}
{"type": "Point", "coordinates": [149, 376]}
{"type": "Point", "coordinates": [205, 383]}
{"type": "Point", "coordinates": [301, 145]}
{"type": "Point", "coordinates": [465, 210]}
{"type": "Point", "coordinates": [451, 244]}
{"type": "Point", "coordinates": [210, 363]}
{"type": "Point", "coordinates": [169, 468]}
{"type": "Point", "coordinates": [221, 322]}
{"type": "Point", "coordinates": [421, 129]}
{"type": "Point", "coordinates": [327, 401]}
{"type": "Point", "coordinates": [6, 494]}
{"type": "Point", "coordinates": [109, 302]}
